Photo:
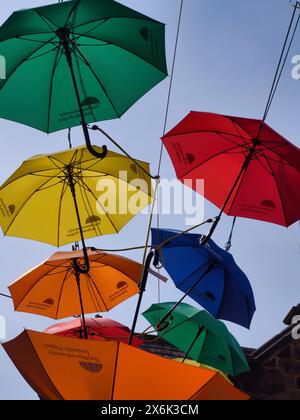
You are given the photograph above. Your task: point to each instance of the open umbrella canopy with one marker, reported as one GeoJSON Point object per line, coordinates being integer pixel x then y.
{"type": "Point", "coordinates": [63, 197]}
{"type": "Point", "coordinates": [200, 336]}
{"type": "Point", "coordinates": [249, 170]}
{"type": "Point", "coordinates": [50, 289]}
{"type": "Point", "coordinates": [99, 329]}
{"type": "Point", "coordinates": [60, 368]}
{"type": "Point", "coordinates": [200, 365]}
{"type": "Point", "coordinates": [220, 286]}
{"type": "Point", "coordinates": [116, 55]}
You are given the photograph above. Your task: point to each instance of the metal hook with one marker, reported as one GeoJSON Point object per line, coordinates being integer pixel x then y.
{"type": "Point", "coordinates": [91, 149]}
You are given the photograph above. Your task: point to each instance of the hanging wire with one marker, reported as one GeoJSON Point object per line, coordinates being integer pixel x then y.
{"type": "Point", "coordinates": [171, 84]}
{"type": "Point", "coordinates": [6, 296]}
{"type": "Point", "coordinates": [287, 45]}
{"type": "Point", "coordinates": [288, 42]}
{"type": "Point", "coordinates": [157, 178]}
{"type": "Point", "coordinates": [114, 142]}
{"type": "Point", "coordinates": [166, 123]}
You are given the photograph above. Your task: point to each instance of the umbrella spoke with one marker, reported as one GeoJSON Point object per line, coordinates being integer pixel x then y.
{"type": "Point", "coordinates": [80, 55]}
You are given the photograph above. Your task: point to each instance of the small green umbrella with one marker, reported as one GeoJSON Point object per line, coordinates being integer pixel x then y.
{"type": "Point", "coordinates": [200, 336]}
{"type": "Point", "coordinates": [78, 62]}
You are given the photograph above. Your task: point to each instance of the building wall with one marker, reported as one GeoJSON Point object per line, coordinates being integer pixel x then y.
{"type": "Point", "coordinates": [276, 377]}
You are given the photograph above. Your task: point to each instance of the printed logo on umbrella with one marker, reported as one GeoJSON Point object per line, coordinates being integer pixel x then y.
{"type": "Point", "coordinates": [121, 284]}
{"type": "Point", "coordinates": [45, 306]}
{"type": "Point", "coordinates": [268, 204]}
{"type": "Point", "coordinates": [91, 367]}
{"type": "Point", "coordinates": [93, 219]}
{"type": "Point", "coordinates": [90, 100]}
{"type": "Point", "coordinates": [49, 301]}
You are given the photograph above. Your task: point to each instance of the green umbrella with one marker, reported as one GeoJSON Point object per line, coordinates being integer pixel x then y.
{"type": "Point", "coordinates": [200, 336]}
{"type": "Point", "coordinates": [78, 62]}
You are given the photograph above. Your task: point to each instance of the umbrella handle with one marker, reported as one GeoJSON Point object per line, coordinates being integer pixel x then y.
{"type": "Point", "coordinates": [86, 268]}
{"type": "Point", "coordinates": [91, 149]}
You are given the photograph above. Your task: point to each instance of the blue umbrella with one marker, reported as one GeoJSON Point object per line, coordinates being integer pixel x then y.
{"type": "Point", "coordinates": [207, 274]}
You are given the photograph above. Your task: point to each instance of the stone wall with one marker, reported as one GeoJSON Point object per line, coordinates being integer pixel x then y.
{"type": "Point", "coordinates": [276, 377]}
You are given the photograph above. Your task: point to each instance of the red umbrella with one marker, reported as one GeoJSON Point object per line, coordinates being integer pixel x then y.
{"type": "Point", "coordinates": [249, 169]}
{"type": "Point", "coordinates": [99, 329]}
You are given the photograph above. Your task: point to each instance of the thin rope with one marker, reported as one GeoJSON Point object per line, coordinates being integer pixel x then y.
{"type": "Point", "coordinates": [287, 45]}
{"type": "Point", "coordinates": [166, 123]}
{"type": "Point", "coordinates": [178, 235]}
{"type": "Point", "coordinates": [283, 59]}
{"type": "Point", "coordinates": [6, 296]}
{"type": "Point", "coordinates": [171, 84]}
{"type": "Point", "coordinates": [135, 248]}
{"type": "Point", "coordinates": [114, 142]}
{"type": "Point", "coordinates": [284, 63]}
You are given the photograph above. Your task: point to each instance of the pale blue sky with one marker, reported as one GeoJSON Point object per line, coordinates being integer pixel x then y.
{"type": "Point", "coordinates": [227, 56]}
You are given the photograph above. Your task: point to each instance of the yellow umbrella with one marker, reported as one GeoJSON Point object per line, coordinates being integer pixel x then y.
{"type": "Point", "coordinates": [71, 195]}
{"type": "Point", "coordinates": [201, 366]}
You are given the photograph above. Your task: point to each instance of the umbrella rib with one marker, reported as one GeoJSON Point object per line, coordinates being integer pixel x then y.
{"type": "Point", "coordinates": [72, 11]}
{"type": "Point", "coordinates": [236, 124]}
{"type": "Point", "coordinates": [84, 60]}
{"type": "Point", "coordinates": [238, 129]}
{"type": "Point", "coordinates": [184, 133]}
{"type": "Point", "coordinates": [58, 57]}
{"type": "Point", "coordinates": [24, 204]}
{"type": "Point", "coordinates": [100, 295]}
{"type": "Point", "coordinates": [63, 191]}
{"type": "Point", "coordinates": [284, 158]}
{"type": "Point", "coordinates": [115, 371]}
{"type": "Point", "coordinates": [104, 20]}
{"type": "Point", "coordinates": [94, 297]}
{"type": "Point", "coordinates": [209, 159]}
{"type": "Point", "coordinates": [125, 49]}
{"type": "Point", "coordinates": [278, 190]}
{"type": "Point", "coordinates": [234, 195]}
{"type": "Point", "coordinates": [45, 19]}
{"type": "Point", "coordinates": [91, 192]}
{"type": "Point", "coordinates": [259, 156]}
{"type": "Point", "coordinates": [87, 204]}
{"type": "Point", "coordinates": [117, 269]}
{"type": "Point", "coordinates": [50, 186]}
{"type": "Point", "coordinates": [53, 159]}
{"type": "Point", "coordinates": [41, 55]}
{"type": "Point", "coordinates": [88, 209]}
{"type": "Point", "coordinates": [36, 282]}
{"type": "Point", "coordinates": [7, 183]}
{"type": "Point", "coordinates": [23, 61]}
{"type": "Point", "coordinates": [144, 19]}
{"type": "Point", "coordinates": [67, 275]}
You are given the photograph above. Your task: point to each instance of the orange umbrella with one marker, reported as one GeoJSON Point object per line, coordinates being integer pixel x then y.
{"type": "Point", "coordinates": [51, 289]}
{"type": "Point", "coordinates": [110, 370]}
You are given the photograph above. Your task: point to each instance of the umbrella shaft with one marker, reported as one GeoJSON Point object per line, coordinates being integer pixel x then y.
{"type": "Point", "coordinates": [165, 318]}
{"type": "Point", "coordinates": [65, 42]}
{"type": "Point", "coordinates": [65, 39]}
{"type": "Point", "coordinates": [201, 329]}
{"type": "Point", "coordinates": [241, 173]}
{"type": "Point", "coordinates": [142, 291]}
{"type": "Point", "coordinates": [73, 191]}
{"type": "Point", "coordinates": [85, 334]}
